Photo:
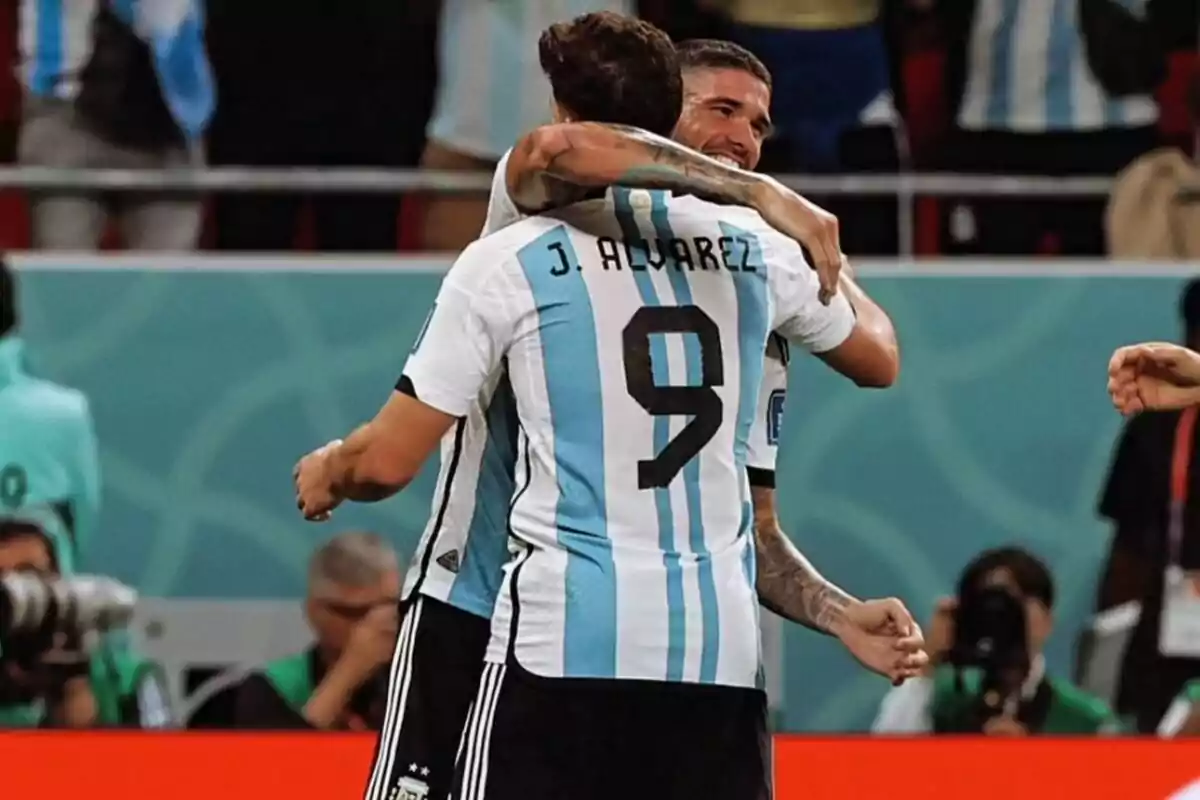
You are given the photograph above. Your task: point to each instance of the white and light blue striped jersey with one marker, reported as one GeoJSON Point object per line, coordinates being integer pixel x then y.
{"type": "Point", "coordinates": [462, 551]}
{"type": "Point", "coordinates": [1027, 72]}
{"type": "Point", "coordinates": [54, 41]}
{"type": "Point", "coordinates": [635, 353]}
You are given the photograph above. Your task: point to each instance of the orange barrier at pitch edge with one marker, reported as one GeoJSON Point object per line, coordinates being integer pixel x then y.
{"type": "Point", "coordinates": [131, 765]}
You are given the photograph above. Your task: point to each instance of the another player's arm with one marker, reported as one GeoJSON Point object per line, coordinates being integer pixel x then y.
{"type": "Point", "coordinates": [461, 347]}
{"type": "Point", "coordinates": [383, 456]}
{"type": "Point", "coordinates": [787, 582]}
{"type": "Point", "coordinates": [557, 164]}
{"type": "Point", "coordinates": [871, 355]}
{"type": "Point", "coordinates": [853, 335]}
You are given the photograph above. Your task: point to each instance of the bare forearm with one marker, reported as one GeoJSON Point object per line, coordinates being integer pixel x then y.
{"type": "Point", "coordinates": [593, 155]}
{"type": "Point", "coordinates": [358, 472]}
{"type": "Point", "coordinates": [789, 585]}
{"type": "Point", "coordinates": [871, 317]}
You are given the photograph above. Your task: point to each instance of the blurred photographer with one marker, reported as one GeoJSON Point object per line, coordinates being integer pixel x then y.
{"type": "Point", "coordinates": [48, 450]}
{"type": "Point", "coordinates": [340, 682]}
{"type": "Point", "coordinates": [987, 673]}
{"type": "Point", "coordinates": [62, 672]}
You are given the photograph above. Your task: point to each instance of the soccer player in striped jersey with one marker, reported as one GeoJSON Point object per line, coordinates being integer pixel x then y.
{"type": "Point", "coordinates": [627, 626]}
{"type": "Point", "coordinates": [727, 95]}
{"type": "Point", "coordinates": [456, 570]}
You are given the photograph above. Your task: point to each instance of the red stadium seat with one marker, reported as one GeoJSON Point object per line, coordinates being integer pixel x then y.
{"type": "Point", "coordinates": [1174, 122]}
{"type": "Point", "coordinates": [9, 91]}
{"type": "Point", "coordinates": [927, 119]}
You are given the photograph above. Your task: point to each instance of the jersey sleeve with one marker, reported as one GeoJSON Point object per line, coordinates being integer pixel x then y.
{"type": "Point", "coordinates": [768, 421]}
{"type": "Point", "coordinates": [799, 314]}
{"type": "Point", "coordinates": [501, 210]}
{"type": "Point", "coordinates": [463, 340]}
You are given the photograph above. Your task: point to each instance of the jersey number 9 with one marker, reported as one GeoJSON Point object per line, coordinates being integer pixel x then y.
{"type": "Point", "coordinates": [700, 403]}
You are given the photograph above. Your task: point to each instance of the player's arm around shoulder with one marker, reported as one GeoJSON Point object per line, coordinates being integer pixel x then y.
{"type": "Point", "coordinates": [557, 164]}
{"type": "Point", "coordinates": [852, 333]}
{"type": "Point", "coordinates": [534, 169]}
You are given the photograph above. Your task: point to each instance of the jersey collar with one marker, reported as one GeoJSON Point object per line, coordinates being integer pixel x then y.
{"type": "Point", "coordinates": [12, 359]}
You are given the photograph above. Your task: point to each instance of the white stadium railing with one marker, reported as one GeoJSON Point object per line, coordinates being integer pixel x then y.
{"type": "Point", "coordinates": [379, 181]}
{"type": "Point", "coordinates": [905, 187]}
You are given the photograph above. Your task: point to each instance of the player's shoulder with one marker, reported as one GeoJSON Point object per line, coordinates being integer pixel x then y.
{"type": "Point", "coordinates": [497, 253]}
{"type": "Point", "coordinates": [687, 208]}
{"type": "Point", "coordinates": [50, 401]}
{"type": "Point", "coordinates": [508, 242]}
{"type": "Point", "coordinates": [501, 210]}
{"type": "Point", "coordinates": [744, 222]}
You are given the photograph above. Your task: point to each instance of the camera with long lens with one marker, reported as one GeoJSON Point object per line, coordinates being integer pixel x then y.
{"type": "Point", "coordinates": [36, 666]}
{"type": "Point", "coordinates": [991, 636]}
{"type": "Point", "coordinates": [51, 628]}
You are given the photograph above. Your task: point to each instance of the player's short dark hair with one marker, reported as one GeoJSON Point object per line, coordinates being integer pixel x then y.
{"type": "Point", "coordinates": [8, 298]}
{"type": "Point", "coordinates": [606, 67]}
{"type": "Point", "coordinates": [719, 54]}
{"type": "Point", "coordinates": [1032, 577]}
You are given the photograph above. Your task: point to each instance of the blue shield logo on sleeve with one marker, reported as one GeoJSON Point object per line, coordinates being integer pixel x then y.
{"type": "Point", "coordinates": [775, 416]}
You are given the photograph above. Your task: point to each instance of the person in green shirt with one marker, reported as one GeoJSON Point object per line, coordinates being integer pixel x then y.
{"type": "Point", "coordinates": [69, 683]}
{"type": "Point", "coordinates": [48, 451]}
{"type": "Point", "coordinates": [340, 681]}
{"type": "Point", "coordinates": [946, 700]}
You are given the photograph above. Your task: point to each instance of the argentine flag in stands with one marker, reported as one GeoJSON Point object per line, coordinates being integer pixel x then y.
{"type": "Point", "coordinates": [56, 42]}
{"type": "Point", "coordinates": [1027, 72]}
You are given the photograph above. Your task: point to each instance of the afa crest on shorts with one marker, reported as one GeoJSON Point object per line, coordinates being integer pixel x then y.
{"type": "Point", "coordinates": [410, 789]}
{"type": "Point", "coordinates": [775, 416]}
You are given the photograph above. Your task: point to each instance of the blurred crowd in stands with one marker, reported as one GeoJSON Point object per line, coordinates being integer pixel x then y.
{"type": "Point", "coordinates": [1004, 87]}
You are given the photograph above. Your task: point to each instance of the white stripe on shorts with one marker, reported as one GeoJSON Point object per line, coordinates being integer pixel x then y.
{"type": "Point", "coordinates": [477, 736]}
{"type": "Point", "coordinates": [399, 680]}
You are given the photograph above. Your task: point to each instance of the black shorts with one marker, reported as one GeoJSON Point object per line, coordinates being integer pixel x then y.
{"type": "Point", "coordinates": [434, 677]}
{"type": "Point", "coordinates": [534, 738]}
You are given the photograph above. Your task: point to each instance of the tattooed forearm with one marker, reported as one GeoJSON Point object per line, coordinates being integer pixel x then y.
{"type": "Point", "coordinates": [554, 165]}
{"type": "Point", "coordinates": [665, 164]}
{"type": "Point", "coordinates": [789, 585]}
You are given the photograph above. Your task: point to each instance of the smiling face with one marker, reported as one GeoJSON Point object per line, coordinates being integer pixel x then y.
{"type": "Point", "coordinates": [726, 114]}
